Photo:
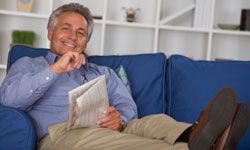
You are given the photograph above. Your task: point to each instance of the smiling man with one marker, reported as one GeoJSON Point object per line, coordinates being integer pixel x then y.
{"type": "Point", "coordinates": [40, 87]}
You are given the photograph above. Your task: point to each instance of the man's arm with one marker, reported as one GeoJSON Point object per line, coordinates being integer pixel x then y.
{"type": "Point", "coordinates": [27, 80]}
{"type": "Point", "coordinates": [121, 99]}
{"type": "Point", "coordinates": [123, 107]}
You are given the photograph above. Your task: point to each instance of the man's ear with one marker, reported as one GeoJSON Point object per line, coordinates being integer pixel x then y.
{"type": "Point", "coordinates": [49, 34]}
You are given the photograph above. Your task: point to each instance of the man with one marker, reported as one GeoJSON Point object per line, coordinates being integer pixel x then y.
{"type": "Point", "coordinates": [40, 86]}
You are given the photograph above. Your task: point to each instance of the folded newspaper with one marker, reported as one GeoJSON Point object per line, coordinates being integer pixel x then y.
{"type": "Point", "coordinates": [87, 102]}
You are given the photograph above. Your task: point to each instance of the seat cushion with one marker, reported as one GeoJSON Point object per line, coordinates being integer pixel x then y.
{"type": "Point", "coordinates": [16, 130]}
{"type": "Point", "coordinates": [191, 84]}
{"type": "Point", "coordinates": [146, 73]}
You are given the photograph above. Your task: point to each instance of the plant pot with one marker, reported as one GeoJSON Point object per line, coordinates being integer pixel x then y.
{"type": "Point", "coordinates": [24, 5]}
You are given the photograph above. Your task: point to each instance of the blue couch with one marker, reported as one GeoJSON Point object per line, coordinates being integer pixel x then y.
{"type": "Point", "coordinates": [177, 86]}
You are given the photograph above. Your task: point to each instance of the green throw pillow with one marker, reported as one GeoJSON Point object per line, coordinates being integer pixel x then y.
{"type": "Point", "coordinates": [120, 71]}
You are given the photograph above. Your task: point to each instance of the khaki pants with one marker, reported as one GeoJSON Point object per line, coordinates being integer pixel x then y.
{"type": "Point", "coordinates": [155, 132]}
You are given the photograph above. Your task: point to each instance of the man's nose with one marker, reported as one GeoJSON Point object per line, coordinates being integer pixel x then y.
{"type": "Point", "coordinates": [73, 35]}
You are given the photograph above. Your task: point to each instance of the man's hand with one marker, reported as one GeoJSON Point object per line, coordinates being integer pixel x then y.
{"type": "Point", "coordinates": [68, 62]}
{"type": "Point", "coordinates": [110, 118]}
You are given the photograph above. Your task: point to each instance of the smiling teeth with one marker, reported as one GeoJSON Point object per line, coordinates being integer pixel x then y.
{"type": "Point", "coordinates": [70, 45]}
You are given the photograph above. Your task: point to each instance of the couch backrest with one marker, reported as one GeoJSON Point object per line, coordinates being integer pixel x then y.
{"type": "Point", "coordinates": [191, 84]}
{"type": "Point", "coordinates": [19, 51]}
{"type": "Point", "coordinates": [146, 73]}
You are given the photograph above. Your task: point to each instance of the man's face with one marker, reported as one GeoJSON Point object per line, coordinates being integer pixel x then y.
{"type": "Point", "coordinates": [69, 34]}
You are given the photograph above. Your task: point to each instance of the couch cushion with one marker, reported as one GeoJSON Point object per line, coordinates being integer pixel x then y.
{"type": "Point", "coordinates": [191, 84]}
{"type": "Point", "coordinates": [17, 130]}
{"type": "Point", "coordinates": [146, 72]}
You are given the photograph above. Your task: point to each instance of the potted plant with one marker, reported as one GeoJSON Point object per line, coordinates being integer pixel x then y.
{"type": "Point", "coordinates": [23, 37]}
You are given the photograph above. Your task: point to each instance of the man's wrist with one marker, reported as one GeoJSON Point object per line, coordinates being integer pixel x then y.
{"type": "Point", "coordinates": [54, 69]}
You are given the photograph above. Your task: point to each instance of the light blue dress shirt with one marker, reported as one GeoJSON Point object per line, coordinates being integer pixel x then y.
{"type": "Point", "coordinates": [31, 86]}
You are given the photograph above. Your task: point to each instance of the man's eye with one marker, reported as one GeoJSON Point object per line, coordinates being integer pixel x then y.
{"type": "Point", "coordinates": [65, 28]}
{"type": "Point", "coordinates": [82, 33]}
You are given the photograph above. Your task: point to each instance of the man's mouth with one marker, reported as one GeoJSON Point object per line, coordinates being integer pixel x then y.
{"type": "Point", "coordinates": [69, 44]}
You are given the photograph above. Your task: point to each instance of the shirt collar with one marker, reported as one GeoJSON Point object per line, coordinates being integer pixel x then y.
{"type": "Point", "coordinates": [51, 57]}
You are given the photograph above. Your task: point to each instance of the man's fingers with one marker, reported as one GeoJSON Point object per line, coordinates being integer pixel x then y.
{"type": "Point", "coordinates": [114, 124]}
{"type": "Point", "coordinates": [109, 110]}
{"type": "Point", "coordinates": [110, 118]}
{"type": "Point", "coordinates": [68, 62]}
{"type": "Point", "coordinates": [75, 59]}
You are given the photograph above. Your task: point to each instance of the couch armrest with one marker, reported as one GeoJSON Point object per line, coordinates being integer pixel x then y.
{"type": "Point", "coordinates": [16, 129]}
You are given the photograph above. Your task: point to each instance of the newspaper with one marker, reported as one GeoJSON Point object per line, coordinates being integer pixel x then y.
{"type": "Point", "coordinates": [87, 102]}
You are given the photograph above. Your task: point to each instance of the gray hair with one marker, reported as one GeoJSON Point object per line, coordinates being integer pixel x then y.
{"type": "Point", "coordinates": [72, 7]}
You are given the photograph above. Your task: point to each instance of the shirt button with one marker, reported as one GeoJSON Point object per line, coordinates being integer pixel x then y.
{"type": "Point", "coordinates": [47, 78]}
{"type": "Point", "coordinates": [31, 91]}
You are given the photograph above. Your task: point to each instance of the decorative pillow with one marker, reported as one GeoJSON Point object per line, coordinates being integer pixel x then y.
{"type": "Point", "coordinates": [87, 102]}
{"type": "Point", "coordinates": [120, 71]}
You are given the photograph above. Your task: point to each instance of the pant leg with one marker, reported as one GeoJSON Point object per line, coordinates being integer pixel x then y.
{"type": "Point", "coordinates": [160, 126]}
{"type": "Point", "coordinates": [59, 138]}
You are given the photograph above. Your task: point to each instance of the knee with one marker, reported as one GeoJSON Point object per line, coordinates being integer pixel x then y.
{"type": "Point", "coordinates": [157, 117]}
